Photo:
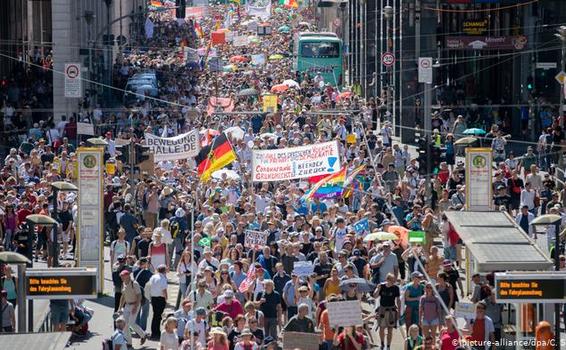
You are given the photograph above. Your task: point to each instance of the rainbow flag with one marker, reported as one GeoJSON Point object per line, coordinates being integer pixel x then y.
{"type": "Point", "coordinates": [331, 186]}
{"type": "Point", "coordinates": [352, 183]}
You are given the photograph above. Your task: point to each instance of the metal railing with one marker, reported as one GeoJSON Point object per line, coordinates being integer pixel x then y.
{"type": "Point", "coordinates": [46, 325]}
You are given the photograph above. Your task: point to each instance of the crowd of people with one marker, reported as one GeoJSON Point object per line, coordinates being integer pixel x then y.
{"type": "Point", "coordinates": [169, 229]}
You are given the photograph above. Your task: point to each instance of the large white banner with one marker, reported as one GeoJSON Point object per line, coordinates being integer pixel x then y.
{"type": "Point", "coordinates": [90, 229]}
{"type": "Point", "coordinates": [172, 148]}
{"type": "Point", "coordinates": [263, 12]}
{"type": "Point", "coordinates": [296, 162]}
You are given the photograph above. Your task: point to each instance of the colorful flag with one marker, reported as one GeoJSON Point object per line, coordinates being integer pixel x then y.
{"type": "Point", "coordinates": [248, 280]}
{"type": "Point", "coordinates": [330, 186]}
{"type": "Point", "coordinates": [214, 157]}
{"type": "Point", "coordinates": [361, 227]}
{"type": "Point", "coordinates": [353, 184]}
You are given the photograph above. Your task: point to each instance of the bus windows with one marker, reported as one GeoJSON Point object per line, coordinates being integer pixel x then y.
{"type": "Point", "coordinates": [320, 50]}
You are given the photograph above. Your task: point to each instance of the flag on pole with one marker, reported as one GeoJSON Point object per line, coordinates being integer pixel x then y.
{"type": "Point", "coordinates": [214, 157]}
{"type": "Point", "coordinates": [248, 280]}
{"type": "Point", "coordinates": [330, 186]}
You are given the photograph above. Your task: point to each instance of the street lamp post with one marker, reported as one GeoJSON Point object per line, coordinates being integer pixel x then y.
{"type": "Point", "coordinates": [556, 220]}
{"type": "Point", "coordinates": [388, 14]}
{"type": "Point", "coordinates": [562, 36]}
{"type": "Point", "coordinates": [89, 17]}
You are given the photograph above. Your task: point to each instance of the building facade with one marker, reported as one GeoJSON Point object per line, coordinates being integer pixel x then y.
{"type": "Point", "coordinates": [494, 60]}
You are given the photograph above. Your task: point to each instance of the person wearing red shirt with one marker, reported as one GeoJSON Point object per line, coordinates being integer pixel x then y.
{"type": "Point", "coordinates": [230, 306]}
{"type": "Point", "coordinates": [449, 336]}
{"type": "Point", "coordinates": [23, 213]}
{"type": "Point", "coordinates": [349, 339]}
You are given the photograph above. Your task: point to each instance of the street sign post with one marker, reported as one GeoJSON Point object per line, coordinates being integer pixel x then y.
{"type": "Point", "coordinates": [90, 224]}
{"type": "Point", "coordinates": [388, 59]}
{"type": "Point", "coordinates": [73, 80]}
{"type": "Point", "coordinates": [425, 70]}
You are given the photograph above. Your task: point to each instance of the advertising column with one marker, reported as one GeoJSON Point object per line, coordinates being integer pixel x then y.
{"type": "Point", "coordinates": [90, 228]}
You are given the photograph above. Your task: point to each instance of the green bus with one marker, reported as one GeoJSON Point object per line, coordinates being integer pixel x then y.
{"type": "Point", "coordinates": [319, 53]}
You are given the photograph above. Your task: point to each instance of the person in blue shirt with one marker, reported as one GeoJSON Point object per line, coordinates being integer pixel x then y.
{"type": "Point", "coordinates": [318, 207]}
{"type": "Point", "coordinates": [414, 219]}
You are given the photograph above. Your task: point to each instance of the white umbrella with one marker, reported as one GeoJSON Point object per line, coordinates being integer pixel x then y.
{"type": "Point", "coordinates": [225, 174]}
{"type": "Point", "coordinates": [291, 83]}
{"type": "Point", "coordinates": [236, 132]}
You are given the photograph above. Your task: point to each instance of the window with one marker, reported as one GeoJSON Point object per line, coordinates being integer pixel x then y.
{"type": "Point", "coordinates": [320, 49]}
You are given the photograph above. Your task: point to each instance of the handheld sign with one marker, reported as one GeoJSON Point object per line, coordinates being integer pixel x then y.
{"type": "Point", "coordinates": [416, 237]}
{"type": "Point", "coordinates": [465, 310]}
{"type": "Point", "coordinates": [303, 268]}
{"type": "Point", "coordinates": [255, 239]}
{"type": "Point", "coordinates": [303, 341]}
{"type": "Point", "coordinates": [345, 313]}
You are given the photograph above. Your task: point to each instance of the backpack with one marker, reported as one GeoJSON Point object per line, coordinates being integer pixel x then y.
{"type": "Point", "coordinates": [108, 343]}
{"type": "Point", "coordinates": [175, 228]}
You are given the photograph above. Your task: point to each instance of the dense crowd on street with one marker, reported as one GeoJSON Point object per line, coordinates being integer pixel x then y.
{"type": "Point", "coordinates": [171, 230]}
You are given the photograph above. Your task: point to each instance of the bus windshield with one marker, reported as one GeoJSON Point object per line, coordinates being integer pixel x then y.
{"type": "Point", "coordinates": [320, 49]}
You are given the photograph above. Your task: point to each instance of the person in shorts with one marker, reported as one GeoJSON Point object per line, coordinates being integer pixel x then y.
{"type": "Point", "coordinates": [59, 309]}
{"type": "Point", "coordinates": [387, 313]}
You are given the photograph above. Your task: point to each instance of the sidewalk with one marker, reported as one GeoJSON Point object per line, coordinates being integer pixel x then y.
{"type": "Point", "coordinates": [101, 325]}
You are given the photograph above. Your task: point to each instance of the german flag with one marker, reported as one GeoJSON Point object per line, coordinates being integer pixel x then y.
{"type": "Point", "coordinates": [214, 157]}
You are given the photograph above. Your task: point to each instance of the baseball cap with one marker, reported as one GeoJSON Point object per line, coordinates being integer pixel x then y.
{"type": "Point", "coordinates": [125, 273]}
{"type": "Point", "coordinates": [416, 274]}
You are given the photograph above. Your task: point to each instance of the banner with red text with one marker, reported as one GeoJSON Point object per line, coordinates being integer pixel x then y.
{"type": "Point", "coordinates": [296, 162]}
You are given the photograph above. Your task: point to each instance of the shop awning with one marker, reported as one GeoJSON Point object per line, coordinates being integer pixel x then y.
{"type": "Point", "coordinates": [497, 243]}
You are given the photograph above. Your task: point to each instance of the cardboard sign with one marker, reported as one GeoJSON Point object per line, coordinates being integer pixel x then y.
{"type": "Point", "coordinates": [296, 162]}
{"type": "Point", "coordinates": [85, 129]}
{"type": "Point", "coordinates": [303, 341]}
{"type": "Point", "coordinates": [465, 310]}
{"type": "Point", "coordinates": [269, 103]}
{"type": "Point", "coordinates": [255, 239]}
{"type": "Point", "coordinates": [345, 313]}
{"type": "Point", "coordinates": [240, 40]}
{"type": "Point", "coordinates": [172, 148]}
{"type": "Point", "coordinates": [258, 60]}
{"type": "Point", "coordinates": [303, 268]}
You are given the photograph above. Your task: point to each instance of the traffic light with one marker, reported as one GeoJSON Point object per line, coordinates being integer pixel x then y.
{"type": "Point", "coordinates": [123, 153]}
{"type": "Point", "coordinates": [422, 150]}
{"type": "Point", "coordinates": [530, 84]}
{"type": "Point", "coordinates": [142, 153]}
{"type": "Point", "coordinates": [181, 6]}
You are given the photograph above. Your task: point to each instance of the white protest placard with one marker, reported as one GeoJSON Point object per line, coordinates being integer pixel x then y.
{"type": "Point", "coordinates": [258, 60]}
{"type": "Point", "coordinates": [303, 268]}
{"type": "Point", "coordinates": [240, 40]}
{"type": "Point", "coordinates": [345, 313]}
{"type": "Point", "coordinates": [465, 310]}
{"type": "Point", "coordinates": [85, 129]}
{"type": "Point", "coordinates": [298, 340]}
{"type": "Point", "coordinates": [172, 148]}
{"type": "Point", "coordinates": [256, 10]}
{"type": "Point", "coordinates": [296, 162]}
{"type": "Point", "coordinates": [255, 239]}
{"type": "Point", "coordinates": [73, 80]}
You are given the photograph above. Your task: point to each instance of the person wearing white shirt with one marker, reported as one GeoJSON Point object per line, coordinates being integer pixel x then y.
{"type": "Point", "coordinates": [528, 197]}
{"type": "Point", "coordinates": [198, 325]}
{"type": "Point", "coordinates": [118, 338]}
{"type": "Point", "coordinates": [158, 291]}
